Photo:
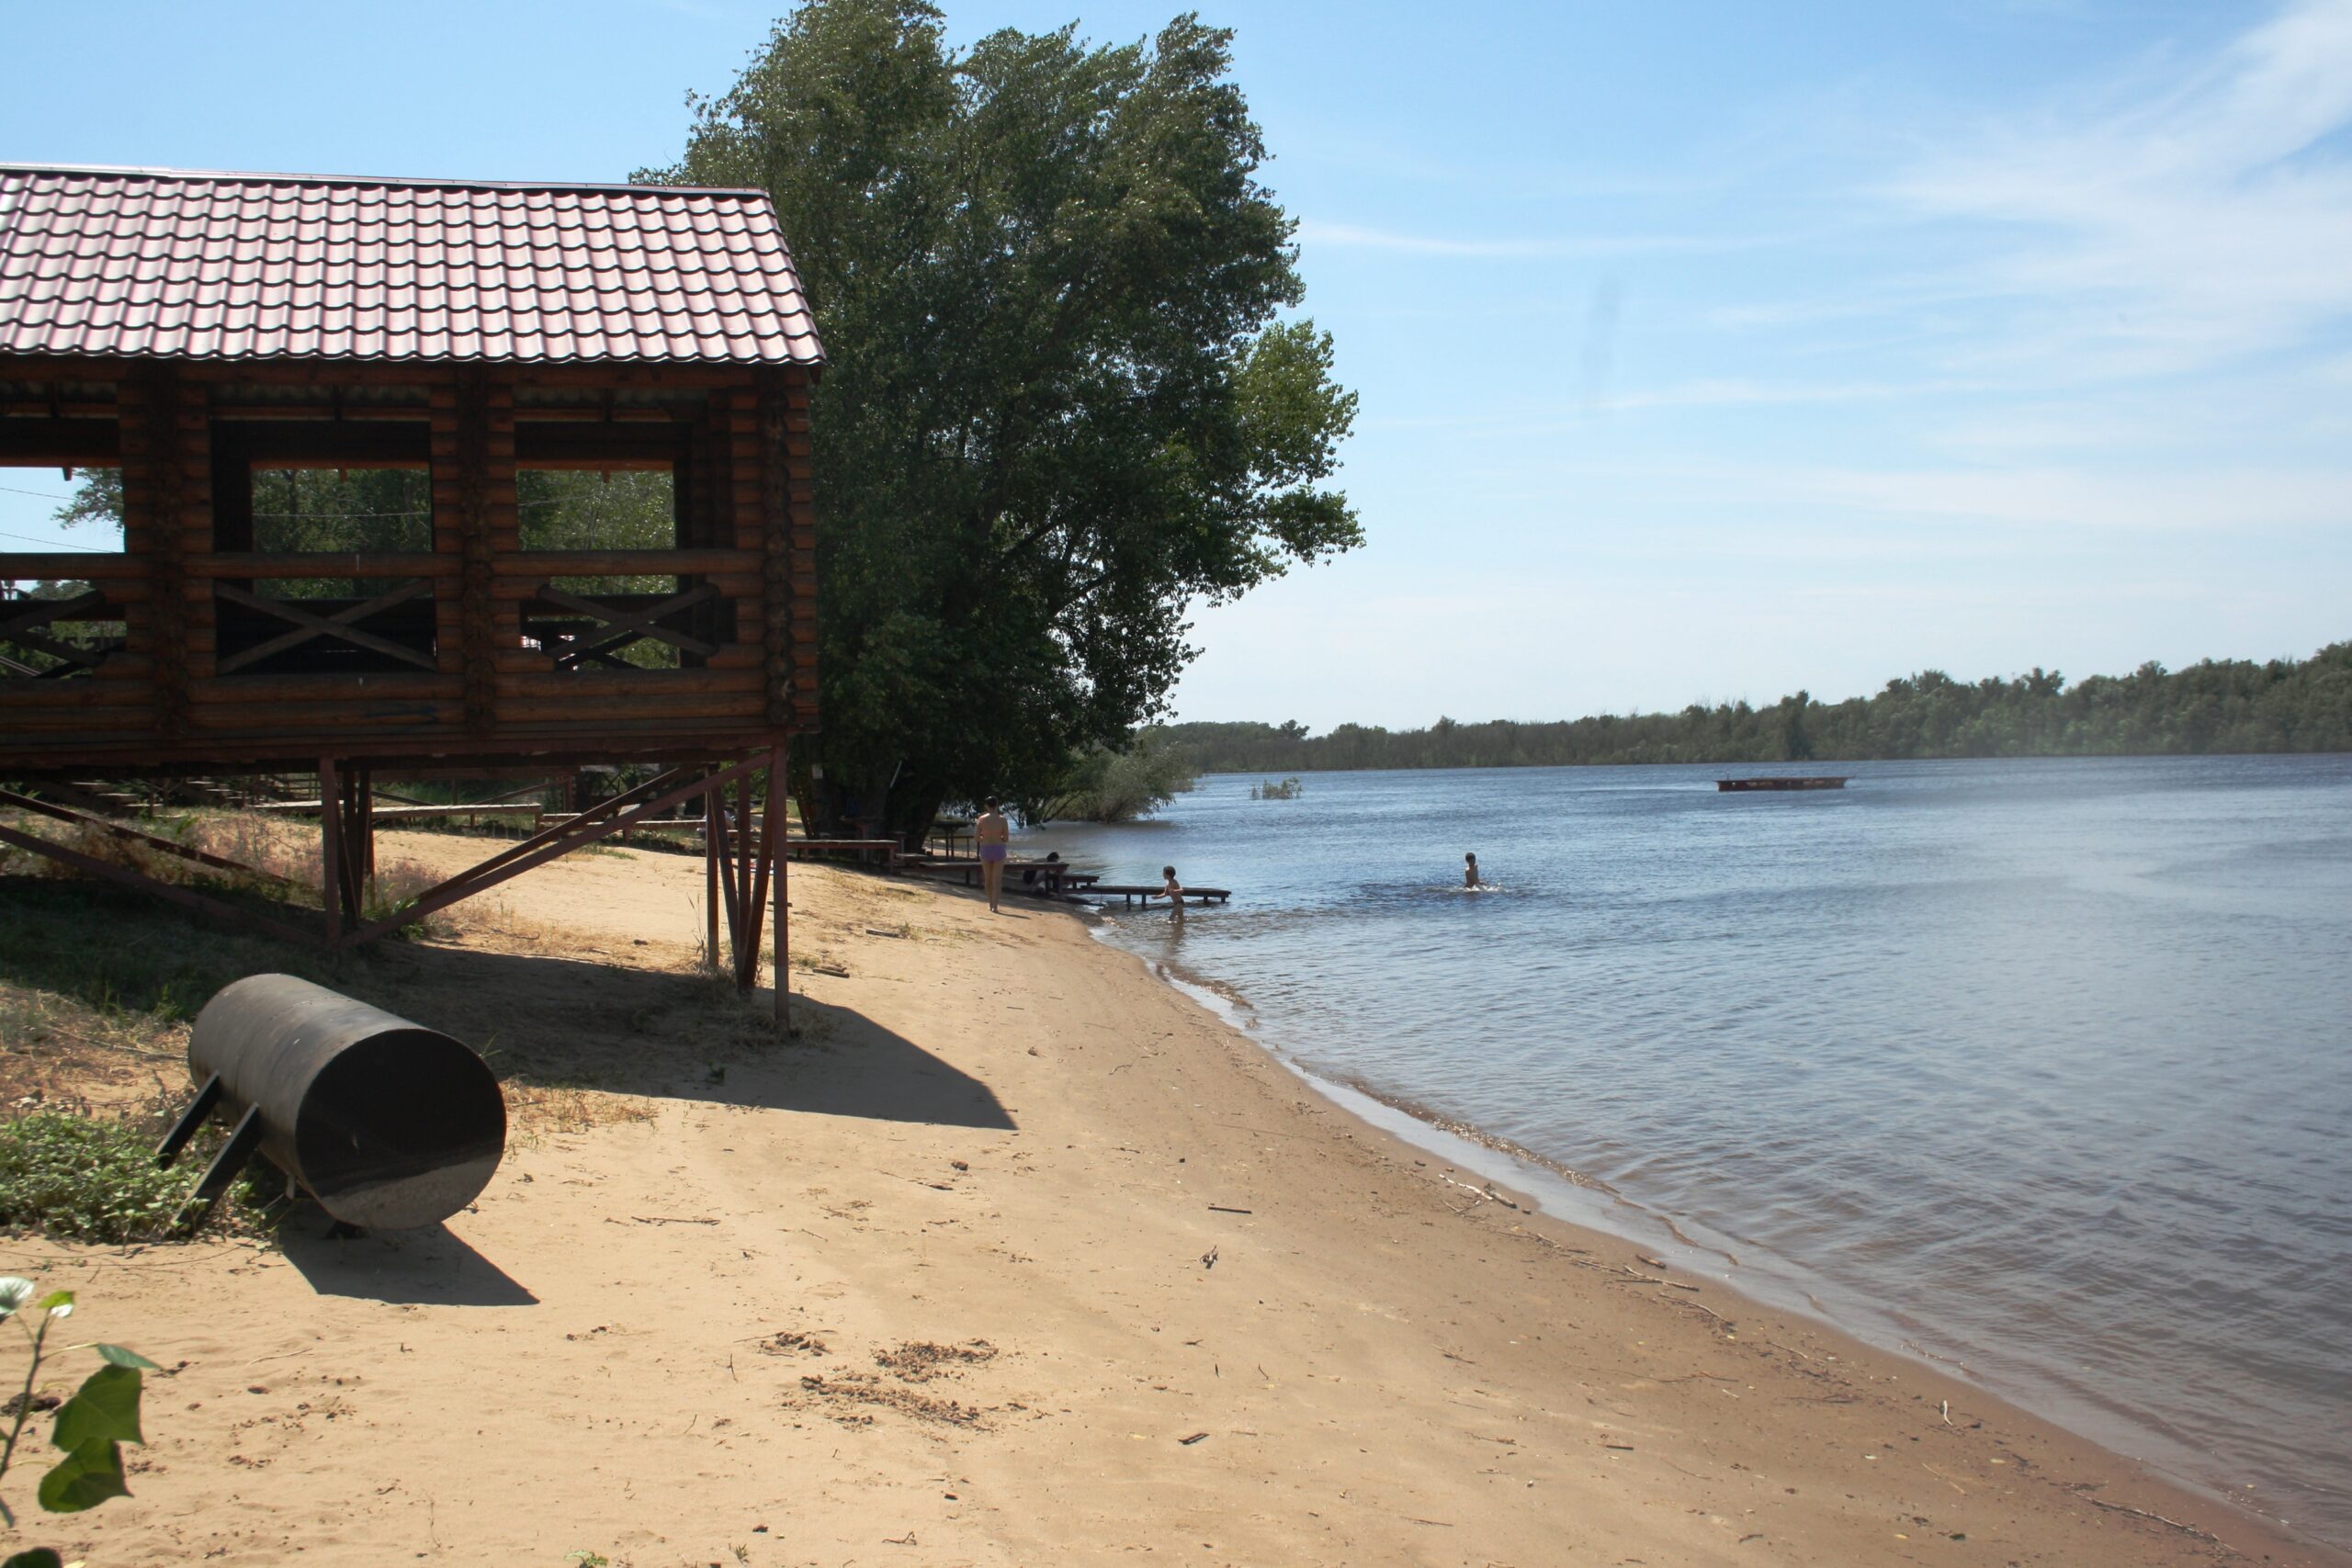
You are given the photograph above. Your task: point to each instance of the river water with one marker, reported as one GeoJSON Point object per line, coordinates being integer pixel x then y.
{"type": "Point", "coordinates": [2035, 1068]}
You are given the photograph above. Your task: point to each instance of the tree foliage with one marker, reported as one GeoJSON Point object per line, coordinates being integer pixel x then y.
{"type": "Point", "coordinates": [1105, 785]}
{"type": "Point", "coordinates": [2212, 706]}
{"type": "Point", "coordinates": [389, 511]}
{"type": "Point", "coordinates": [1061, 404]}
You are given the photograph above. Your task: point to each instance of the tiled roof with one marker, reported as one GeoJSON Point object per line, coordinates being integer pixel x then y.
{"type": "Point", "coordinates": [162, 263]}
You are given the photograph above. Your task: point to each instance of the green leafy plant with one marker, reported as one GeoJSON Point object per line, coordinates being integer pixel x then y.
{"type": "Point", "coordinates": [90, 1428]}
{"type": "Point", "coordinates": [85, 1180]}
{"type": "Point", "coordinates": [1103, 785]}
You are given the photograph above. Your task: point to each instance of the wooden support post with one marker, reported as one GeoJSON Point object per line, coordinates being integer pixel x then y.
{"type": "Point", "coordinates": [331, 848]}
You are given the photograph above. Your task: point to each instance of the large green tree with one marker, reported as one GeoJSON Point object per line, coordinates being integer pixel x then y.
{"type": "Point", "coordinates": [1063, 403]}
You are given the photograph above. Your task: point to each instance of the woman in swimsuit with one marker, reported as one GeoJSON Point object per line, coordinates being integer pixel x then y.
{"type": "Point", "coordinates": [1470, 871]}
{"type": "Point", "coordinates": [991, 832]}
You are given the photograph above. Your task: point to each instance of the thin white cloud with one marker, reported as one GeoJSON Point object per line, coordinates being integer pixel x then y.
{"type": "Point", "coordinates": [1322, 234]}
{"type": "Point", "coordinates": [2194, 219]}
{"type": "Point", "coordinates": [2205, 498]}
{"type": "Point", "coordinates": [1732, 393]}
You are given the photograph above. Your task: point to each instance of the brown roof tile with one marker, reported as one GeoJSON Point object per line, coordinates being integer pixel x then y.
{"type": "Point", "coordinates": [159, 264]}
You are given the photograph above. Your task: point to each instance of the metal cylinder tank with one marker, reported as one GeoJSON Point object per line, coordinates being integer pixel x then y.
{"type": "Point", "coordinates": [389, 1124]}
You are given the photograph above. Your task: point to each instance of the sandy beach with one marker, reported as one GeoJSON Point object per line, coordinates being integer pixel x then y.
{"type": "Point", "coordinates": [1015, 1256]}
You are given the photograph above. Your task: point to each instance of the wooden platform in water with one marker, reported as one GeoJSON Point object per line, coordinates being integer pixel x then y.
{"type": "Point", "coordinates": [1146, 891]}
{"type": "Point", "coordinates": [1821, 781]}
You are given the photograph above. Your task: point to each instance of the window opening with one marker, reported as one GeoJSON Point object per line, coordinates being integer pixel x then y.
{"type": "Point", "coordinates": [371, 620]}
{"type": "Point", "coordinates": [587, 509]}
{"type": "Point", "coordinates": [631, 621]}
{"type": "Point", "coordinates": [45, 511]}
{"type": "Point", "coordinates": [58, 626]}
{"type": "Point", "coordinates": [339, 512]}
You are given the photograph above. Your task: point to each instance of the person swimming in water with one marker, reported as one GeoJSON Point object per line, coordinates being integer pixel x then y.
{"type": "Point", "coordinates": [1470, 871]}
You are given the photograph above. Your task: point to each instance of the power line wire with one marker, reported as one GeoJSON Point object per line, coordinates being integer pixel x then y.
{"type": "Point", "coordinates": [58, 544]}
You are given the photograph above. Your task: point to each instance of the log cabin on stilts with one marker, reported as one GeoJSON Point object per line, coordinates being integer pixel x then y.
{"type": "Point", "coordinates": [204, 332]}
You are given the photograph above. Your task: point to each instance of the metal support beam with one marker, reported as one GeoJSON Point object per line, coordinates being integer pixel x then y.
{"type": "Point", "coordinates": [243, 1145]}
{"type": "Point", "coordinates": [778, 761]}
{"type": "Point", "coordinates": [331, 848]}
{"type": "Point", "coordinates": [162, 845]}
{"type": "Point", "coordinates": [190, 1120]}
{"type": "Point", "coordinates": [499, 868]}
{"type": "Point", "coordinates": [228, 914]}
{"type": "Point", "coordinates": [710, 878]}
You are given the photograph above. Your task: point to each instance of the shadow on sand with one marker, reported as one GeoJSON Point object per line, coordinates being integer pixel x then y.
{"type": "Point", "coordinates": [433, 1267]}
{"type": "Point", "coordinates": [547, 1025]}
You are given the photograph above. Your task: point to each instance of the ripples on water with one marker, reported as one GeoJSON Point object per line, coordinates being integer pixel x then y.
{"type": "Point", "coordinates": [2039, 1066]}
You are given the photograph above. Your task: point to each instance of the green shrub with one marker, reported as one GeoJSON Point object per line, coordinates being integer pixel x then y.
{"type": "Point", "coordinates": [82, 1180]}
{"type": "Point", "coordinates": [1119, 786]}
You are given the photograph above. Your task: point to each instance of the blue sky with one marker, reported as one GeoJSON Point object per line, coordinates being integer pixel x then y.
{"type": "Point", "coordinates": [1705, 351]}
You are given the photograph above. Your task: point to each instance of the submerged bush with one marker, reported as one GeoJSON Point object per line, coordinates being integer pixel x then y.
{"type": "Point", "coordinates": [82, 1180]}
{"type": "Point", "coordinates": [1119, 786]}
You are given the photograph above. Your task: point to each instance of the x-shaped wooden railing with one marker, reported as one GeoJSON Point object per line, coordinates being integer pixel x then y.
{"type": "Point", "coordinates": [617, 628]}
{"type": "Point", "coordinates": [343, 626]}
{"type": "Point", "coordinates": [17, 621]}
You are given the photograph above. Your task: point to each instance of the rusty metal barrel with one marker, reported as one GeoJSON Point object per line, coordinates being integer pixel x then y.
{"type": "Point", "coordinates": [389, 1124]}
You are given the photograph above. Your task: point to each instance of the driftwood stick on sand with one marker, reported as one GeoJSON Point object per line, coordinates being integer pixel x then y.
{"type": "Point", "coordinates": [2159, 1518]}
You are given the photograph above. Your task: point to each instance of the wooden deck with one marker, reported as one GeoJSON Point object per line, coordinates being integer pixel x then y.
{"type": "Point", "coordinates": [1145, 892]}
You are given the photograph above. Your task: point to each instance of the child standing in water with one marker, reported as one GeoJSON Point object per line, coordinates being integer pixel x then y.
{"type": "Point", "coordinates": [1175, 891]}
{"type": "Point", "coordinates": [1470, 871]}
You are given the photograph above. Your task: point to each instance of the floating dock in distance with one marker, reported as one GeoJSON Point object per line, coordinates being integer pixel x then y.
{"type": "Point", "coordinates": [1819, 782]}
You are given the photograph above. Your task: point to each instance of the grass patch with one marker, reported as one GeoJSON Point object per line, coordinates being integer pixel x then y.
{"type": "Point", "coordinates": [281, 858]}
{"type": "Point", "coordinates": [84, 1178]}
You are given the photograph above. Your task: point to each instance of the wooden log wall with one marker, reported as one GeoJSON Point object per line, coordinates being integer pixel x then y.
{"type": "Point", "coordinates": [786, 517]}
{"type": "Point", "coordinates": [747, 528]}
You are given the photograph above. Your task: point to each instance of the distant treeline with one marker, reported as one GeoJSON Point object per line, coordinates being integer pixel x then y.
{"type": "Point", "coordinates": [2283, 705]}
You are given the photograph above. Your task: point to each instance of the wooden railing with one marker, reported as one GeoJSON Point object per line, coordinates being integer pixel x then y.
{"type": "Point", "coordinates": [576, 630]}
{"type": "Point", "coordinates": [32, 626]}
{"type": "Point", "coordinates": [427, 647]}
